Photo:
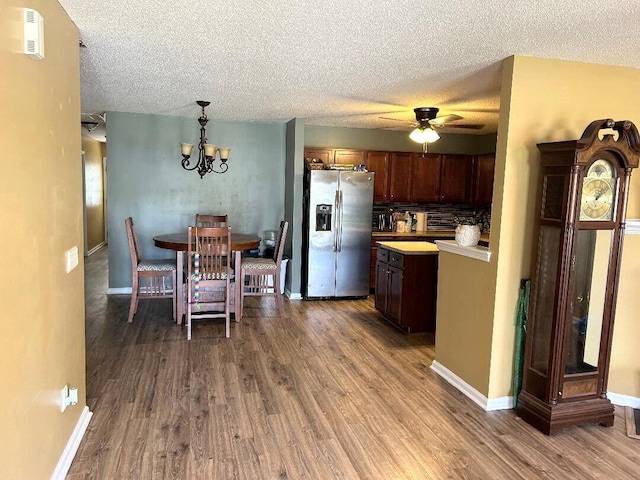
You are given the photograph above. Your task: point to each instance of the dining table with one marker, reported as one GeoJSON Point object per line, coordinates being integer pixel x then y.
{"type": "Point", "coordinates": [179, 242]}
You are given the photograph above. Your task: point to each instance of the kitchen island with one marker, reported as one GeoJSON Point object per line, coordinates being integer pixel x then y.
{"type": "Point", "coordinates": [427, 236]}
{"type": "Point", "coordinates": [407, 283]}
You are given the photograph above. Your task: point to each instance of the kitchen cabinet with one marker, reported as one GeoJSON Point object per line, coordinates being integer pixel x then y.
{"type": "Point", "coordinates": [378, 162]}
{"type": "Point", "coordinates": [430, 178]}
{"type": "Point", "coordinates": [329, 156]}
{"type": "Point", "coordinates": [425, 178]}
{"type": "Point", "coordinates": [483, 173]}
{"type": "Point", "coordinates": [406, 284]}
{"type": "Point", "coordinates": [354, 157]}
{"type": "Point", "coordinates": [325, 155]}
{"type": "Point", "coordinates": [404, 177]}
{"type": "Point", "coordinates": [455, 178]}
{"type": "Point", "coordinates": [431, 237]}
{"type": "Point", "coordinates": [400, 171]}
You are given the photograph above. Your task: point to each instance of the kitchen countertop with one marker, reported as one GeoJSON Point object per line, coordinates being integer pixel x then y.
{"type": "Point", "coordinates": [428, 233]}
{"type": "Point", "coordinates": [411, 248]}
{"type": "Point", "coordinates": [439, 234]}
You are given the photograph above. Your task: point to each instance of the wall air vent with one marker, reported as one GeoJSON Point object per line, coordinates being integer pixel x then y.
{"type": "Point", "coordinates": [33, 34]}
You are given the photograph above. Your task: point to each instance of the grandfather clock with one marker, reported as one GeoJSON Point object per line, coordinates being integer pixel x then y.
{"type": "Point", "coordinates": [585, 186]}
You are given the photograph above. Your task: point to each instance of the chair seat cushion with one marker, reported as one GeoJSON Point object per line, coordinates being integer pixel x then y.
{"type": "Point", "coordinates": [156, 265]}
{"type": "Point", "coordinates": [259, 264]}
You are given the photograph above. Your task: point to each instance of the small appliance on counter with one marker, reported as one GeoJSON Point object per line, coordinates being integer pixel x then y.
{"type": "Point", "coordinates": [386, 222]}
{"type": "Point", "coordinates": [421, 221]}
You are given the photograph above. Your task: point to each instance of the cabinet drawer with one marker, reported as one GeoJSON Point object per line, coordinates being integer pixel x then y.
{"type": "Point", "coordinates": [383, 255]}
{"type": "Point", "coordinates": [396, 259]}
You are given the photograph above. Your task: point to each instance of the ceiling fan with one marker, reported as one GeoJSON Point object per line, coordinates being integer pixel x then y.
{"type": "Point", "coordinates": [427, 117]}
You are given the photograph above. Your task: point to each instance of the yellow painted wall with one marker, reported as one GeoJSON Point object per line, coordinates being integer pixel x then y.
{"type": "Point", "coordinates": [542, 100]}
{"type": "Point", "coordinates": [94, 194]}
{"type": "Point", "coordinates": [42, 343]}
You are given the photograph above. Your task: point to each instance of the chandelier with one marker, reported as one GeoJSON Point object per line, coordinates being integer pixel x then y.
{"type": "Point", "coordinates": [206, 152]}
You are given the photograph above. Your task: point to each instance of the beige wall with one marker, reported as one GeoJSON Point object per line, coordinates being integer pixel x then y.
{"type": "Point", "coordinates": [94, 194]}
{"type": "Point", "coordinates": [42, 343]}
{"type": "Point", "coordinates": [542, 101]}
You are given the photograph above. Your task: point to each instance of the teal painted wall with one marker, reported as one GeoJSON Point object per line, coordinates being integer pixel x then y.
{"type": "Point", "coordinates": [147, 182]}
{"type": "Point", "coordinates": [395, 141]}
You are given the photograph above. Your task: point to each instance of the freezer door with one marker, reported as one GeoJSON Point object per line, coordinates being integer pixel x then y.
{"type": "Point", "coordinates": [321, 256]}
{"type": "Point", "coordinates": [354, 234]}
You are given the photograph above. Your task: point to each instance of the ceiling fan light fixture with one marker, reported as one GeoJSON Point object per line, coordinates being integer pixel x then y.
{"type": "Point", "coordinates": [424, 135]}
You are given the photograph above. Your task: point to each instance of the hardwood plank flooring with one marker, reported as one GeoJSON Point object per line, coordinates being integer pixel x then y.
{"type": "Point", "coordinates": [328, 391]}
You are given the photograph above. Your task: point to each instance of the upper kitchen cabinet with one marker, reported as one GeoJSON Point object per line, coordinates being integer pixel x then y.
{"type": "Point", "coordinates": [455, 178]}
{"type": "Point", "coordinates": [325, 155]}
{"type": "Point", "coordinates": [483, 173]}
{"type": "Point", "coordinates": [353, 157]}
{"type": "Point", "coordinates": [400, 168]}
{"type": "Point", "coordinates": [378, 162]}
{"type": "Point", "coordinates": [329, 156]}
{"type": "Point", "coordinates": [425, 178]}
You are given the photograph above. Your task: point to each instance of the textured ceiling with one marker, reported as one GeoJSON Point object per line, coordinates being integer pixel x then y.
{"type": "Point", "coordinates": [342, 63]}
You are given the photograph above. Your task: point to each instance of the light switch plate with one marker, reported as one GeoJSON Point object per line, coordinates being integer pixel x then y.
{"type": "Point", "coordinates": [71, 258]}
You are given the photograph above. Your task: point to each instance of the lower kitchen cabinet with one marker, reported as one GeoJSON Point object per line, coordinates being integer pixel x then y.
{"type": "Point", "coordinates": [406, 284]}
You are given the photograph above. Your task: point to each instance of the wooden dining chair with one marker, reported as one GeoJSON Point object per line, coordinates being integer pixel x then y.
{"type": "Point", "coordinates": [205, 220]}
{"type": "Point", "coordinates": [209, 275]}
{"type": "Point", "coordinates": [148, 276]}
{"type": "Point", "coordinates": [264, 274]}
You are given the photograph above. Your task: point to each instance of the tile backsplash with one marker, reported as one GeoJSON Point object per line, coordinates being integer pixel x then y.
{"type": "Point", "coordinates": [439, 216]}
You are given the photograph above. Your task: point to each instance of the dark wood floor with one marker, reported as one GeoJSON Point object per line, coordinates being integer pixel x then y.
{"type": "Point", "coordinates": [328, 391]}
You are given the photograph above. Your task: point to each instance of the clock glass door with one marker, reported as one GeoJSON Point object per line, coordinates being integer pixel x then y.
{"type": "Point", "coordinates": [592, 254]}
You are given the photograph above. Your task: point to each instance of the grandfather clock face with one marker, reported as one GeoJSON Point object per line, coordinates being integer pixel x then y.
{"type": "Point", "coordinates": [599, 187]}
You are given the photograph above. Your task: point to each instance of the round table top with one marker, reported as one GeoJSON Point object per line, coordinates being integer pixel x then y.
{"type": "Point", "coordinates": [178, 241]}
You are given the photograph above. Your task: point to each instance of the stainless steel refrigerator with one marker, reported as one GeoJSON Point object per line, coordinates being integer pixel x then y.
{"type": "Point", "coordinates": [337, 233]}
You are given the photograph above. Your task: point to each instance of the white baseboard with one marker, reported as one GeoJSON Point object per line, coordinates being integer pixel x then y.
{"type": "Point", "coordinates": [623, 400]}
{"type": "Point", "coordinates": [506, 403]}
{"type": "Point", "coordinates": [72, 445]}
{"type": "Point", "coordinates": [119, 291]}
{"type": "Point", "coordinates": [96, 248]}
{"type": "Point", "coordinates": [292, 296]}
{"type": "Point", "coordinates": [488, 404]}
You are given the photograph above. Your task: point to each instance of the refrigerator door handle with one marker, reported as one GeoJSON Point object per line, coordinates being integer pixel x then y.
{"type": "Point", "coordinates": [336, 220]}
{"type": "Point", "coordinates": [340, 214]}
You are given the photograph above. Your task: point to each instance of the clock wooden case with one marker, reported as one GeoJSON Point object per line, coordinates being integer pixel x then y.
{"type": "Point", "coordinates": [585, 185]}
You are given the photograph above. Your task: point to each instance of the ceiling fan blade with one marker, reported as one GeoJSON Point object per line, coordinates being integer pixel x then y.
{"type": "Point", "coordinates": [394, 119]}
{"type": "Point", "coordinates": [467, 126]}
{"type": "Point", "coordinates": [445, 119]}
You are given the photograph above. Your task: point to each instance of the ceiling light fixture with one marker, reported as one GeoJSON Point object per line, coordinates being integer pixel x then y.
{"type": "Point", "coordinates": [425, 136]}
{"type": "Point", "coordinates": [424, 133]}
{"type": "Point", "coordinates": [90, 126]}
{"type": "Point", "coordinates": [207, 152]}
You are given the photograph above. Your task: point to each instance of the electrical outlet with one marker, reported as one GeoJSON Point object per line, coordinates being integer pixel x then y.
{"type": "Point", "coordinates": [64, 395]}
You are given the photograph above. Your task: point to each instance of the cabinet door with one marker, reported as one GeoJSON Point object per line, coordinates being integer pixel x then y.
{"type": "Point", "coordinates": [372, 273]}
{"type": "Point", "coordinates": [354, 157]}
{"type": "Point", "coordinates": [378, 162]}
{"type": "Point", "coordinates": [400, 185]}
{"type": "Point", "coordinates": [394, 297]}
{"type": "Point", "coordinates": [455, 180]}
{"type": "Point", "coordinates": [381, 287]}
{"type": "Point", "coordinates": [484, 169]}
{"type": "Point", "coordinates": [326, 155]}
{"type": "Point", "coordinates": [425, 178]}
